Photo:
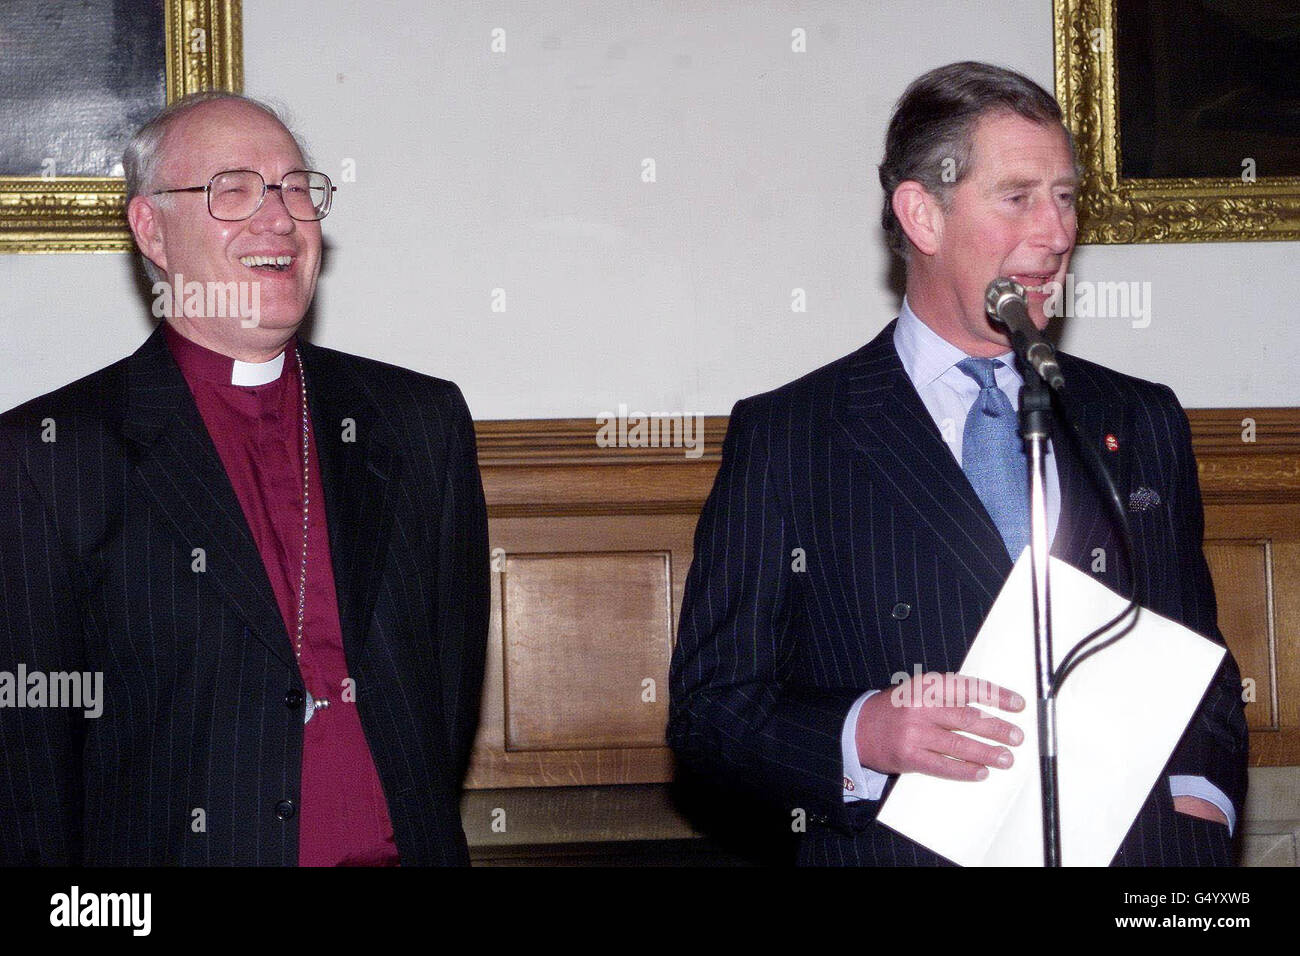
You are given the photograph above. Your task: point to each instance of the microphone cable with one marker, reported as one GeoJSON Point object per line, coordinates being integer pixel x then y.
{"type": "Point", "coordinates": [1081, 651]}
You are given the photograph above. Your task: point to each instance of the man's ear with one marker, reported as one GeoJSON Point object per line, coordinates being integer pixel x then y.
{"type": "Point", "coordinates": [146, 226]}
{"type": "Point", "coordinates": [919, 214]}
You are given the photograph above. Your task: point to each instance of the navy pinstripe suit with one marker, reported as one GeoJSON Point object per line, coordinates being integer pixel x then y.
{"type": "Point", "coordinates": [902, 565]}
{"type": "Point", "coordinates": [98, 528]}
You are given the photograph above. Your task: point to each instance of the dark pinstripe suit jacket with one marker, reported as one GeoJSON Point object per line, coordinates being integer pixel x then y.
{"type": "Point", "coordinates": [902, 564]}
{"type": "Point", "coordinates": [96, 536]}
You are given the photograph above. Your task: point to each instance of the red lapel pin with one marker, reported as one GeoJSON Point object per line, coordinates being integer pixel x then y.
{"type": "Point", "coordinates": [1112, 443]}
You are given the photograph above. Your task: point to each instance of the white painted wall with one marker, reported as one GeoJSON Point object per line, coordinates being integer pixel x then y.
{"type": "Point", "coordinates": [522, 170]}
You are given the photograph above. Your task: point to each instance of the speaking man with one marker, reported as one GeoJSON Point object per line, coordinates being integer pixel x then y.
{"type": "Point", "coordinates": [897, 474]}
{"type": "Point", "coordinates": [275, 554]}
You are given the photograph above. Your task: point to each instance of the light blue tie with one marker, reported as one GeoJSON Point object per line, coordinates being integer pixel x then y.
{"type": "Point", "coordinates": [993, 456]}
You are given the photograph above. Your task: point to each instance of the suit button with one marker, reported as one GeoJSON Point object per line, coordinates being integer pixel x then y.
{"type": "Point", "coordinates": [901, 611]}
{"type": "Point", "coordinates": [284, 810]}
{"type": "Point", "coordinates": [293, 699]}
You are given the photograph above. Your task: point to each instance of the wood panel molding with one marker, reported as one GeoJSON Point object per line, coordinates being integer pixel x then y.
{"type": "Point", "coordinates": [540, 467]}
{"type": "Point", "coordinates": [559, 441]}
{"type": "Point", "coordinates": [524, 441]}
{"type": "Point", "coordinates": [1247, 453]}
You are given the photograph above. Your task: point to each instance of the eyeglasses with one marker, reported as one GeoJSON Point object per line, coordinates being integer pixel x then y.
{"type": "Point", "coordinates": [236, 194]}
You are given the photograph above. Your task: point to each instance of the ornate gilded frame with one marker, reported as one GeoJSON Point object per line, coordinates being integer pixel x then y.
{"type": "Point", "coordinates": [1117, 210]}
{"type": "Point", "coordinates": [204, 51]}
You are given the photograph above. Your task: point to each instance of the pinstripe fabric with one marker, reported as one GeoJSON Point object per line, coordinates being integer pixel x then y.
{"type": "Point", "coordinates": [846, 468]}
{"type": "Point", "coordinates": [99, 528]}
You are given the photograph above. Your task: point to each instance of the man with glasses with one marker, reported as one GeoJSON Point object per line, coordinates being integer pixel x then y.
{"type": "Point", "coordinates": [270, 557]}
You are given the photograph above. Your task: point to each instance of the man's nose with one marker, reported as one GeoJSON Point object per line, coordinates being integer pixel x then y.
{"type": "Point", "coordinates": [1056, 227]}
{"type": "Point", "coordinates": [273, 215]}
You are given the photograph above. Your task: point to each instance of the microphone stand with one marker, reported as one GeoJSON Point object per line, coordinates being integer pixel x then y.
{"type": "Point", "coordinates": [1035, 414]}
{"type": "Point", "coordinates": [1004, 300]}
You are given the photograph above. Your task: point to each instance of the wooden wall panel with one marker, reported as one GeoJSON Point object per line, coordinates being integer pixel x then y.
{"type": "Point", "coordinates": [530, 735]}
{"type": "Point", "coordinates": [1249, 464]}
{"type": "Point", "coordinates": [587, 639]}
{"type": "Point", "coordinates": [1254, 555]}
{"type": "Point", "coordinates": [1243, 583]}
{"type": "Point", "coordinates": [589, 543]}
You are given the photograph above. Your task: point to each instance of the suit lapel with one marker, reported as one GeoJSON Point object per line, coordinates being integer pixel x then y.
{"type": "Point", "coordinates": [177, 467]}
{"type": "Point", "coordinates": [358, 462]}
{"type": "Point", "coordinates": [1086, 523]}
{"type": "Point", "coordinates": [882, 417]}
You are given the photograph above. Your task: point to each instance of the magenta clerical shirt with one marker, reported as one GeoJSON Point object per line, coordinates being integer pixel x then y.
{"type": "Point", "coordinates": [257, 430]}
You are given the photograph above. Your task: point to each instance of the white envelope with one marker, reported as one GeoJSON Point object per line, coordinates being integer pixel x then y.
{"type": "Point", "coordinates": [1119, 716]}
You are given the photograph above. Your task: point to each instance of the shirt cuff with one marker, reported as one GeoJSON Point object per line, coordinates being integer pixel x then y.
{"type": "Point", "coordinates": [1189, 786]}
{"type": "Point", "coordinates": [860, 783]}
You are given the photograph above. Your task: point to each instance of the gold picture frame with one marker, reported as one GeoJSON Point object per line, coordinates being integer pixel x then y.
{"type": "Point", "coordinates": [204, 50]}
{"type": "Point", "coordinates": [1115, 209]}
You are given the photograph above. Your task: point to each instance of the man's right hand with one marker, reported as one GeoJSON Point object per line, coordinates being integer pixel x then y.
{"type": "Point", "coordinates": [911, 727]}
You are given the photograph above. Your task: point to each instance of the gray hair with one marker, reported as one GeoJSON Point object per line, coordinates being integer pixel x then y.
{"type": "Point", "coordinates": [144, 153]}
{"type": "Point", "coordinates": [934, 123]}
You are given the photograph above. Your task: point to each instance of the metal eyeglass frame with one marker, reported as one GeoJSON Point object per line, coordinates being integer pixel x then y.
{"type": "Point", "coordinates": [331, 189]}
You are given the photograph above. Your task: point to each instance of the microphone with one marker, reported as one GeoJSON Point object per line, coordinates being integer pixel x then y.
{"type": "Point", "coordinates": [1005, 303]}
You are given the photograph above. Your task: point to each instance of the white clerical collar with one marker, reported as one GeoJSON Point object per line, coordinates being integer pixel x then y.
{"type": "Point", "coordinates": [252, 374]}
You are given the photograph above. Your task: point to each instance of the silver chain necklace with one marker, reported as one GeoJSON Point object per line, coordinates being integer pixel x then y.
{"type": "Point", "coordinates": [311, 705]}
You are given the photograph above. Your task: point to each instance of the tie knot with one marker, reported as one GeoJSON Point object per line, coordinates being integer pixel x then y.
{"type": "Point", "coordinates": [981, 369]}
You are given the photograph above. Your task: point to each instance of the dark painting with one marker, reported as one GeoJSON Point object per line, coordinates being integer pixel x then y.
{"type": "Point", "coordinates": [1207, 84]}
{"type": "Point", "coordinates": [77, 77]}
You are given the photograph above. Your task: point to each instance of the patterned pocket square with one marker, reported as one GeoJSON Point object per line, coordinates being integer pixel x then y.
{"type": "Point", "coordinates": [1143, 499]}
